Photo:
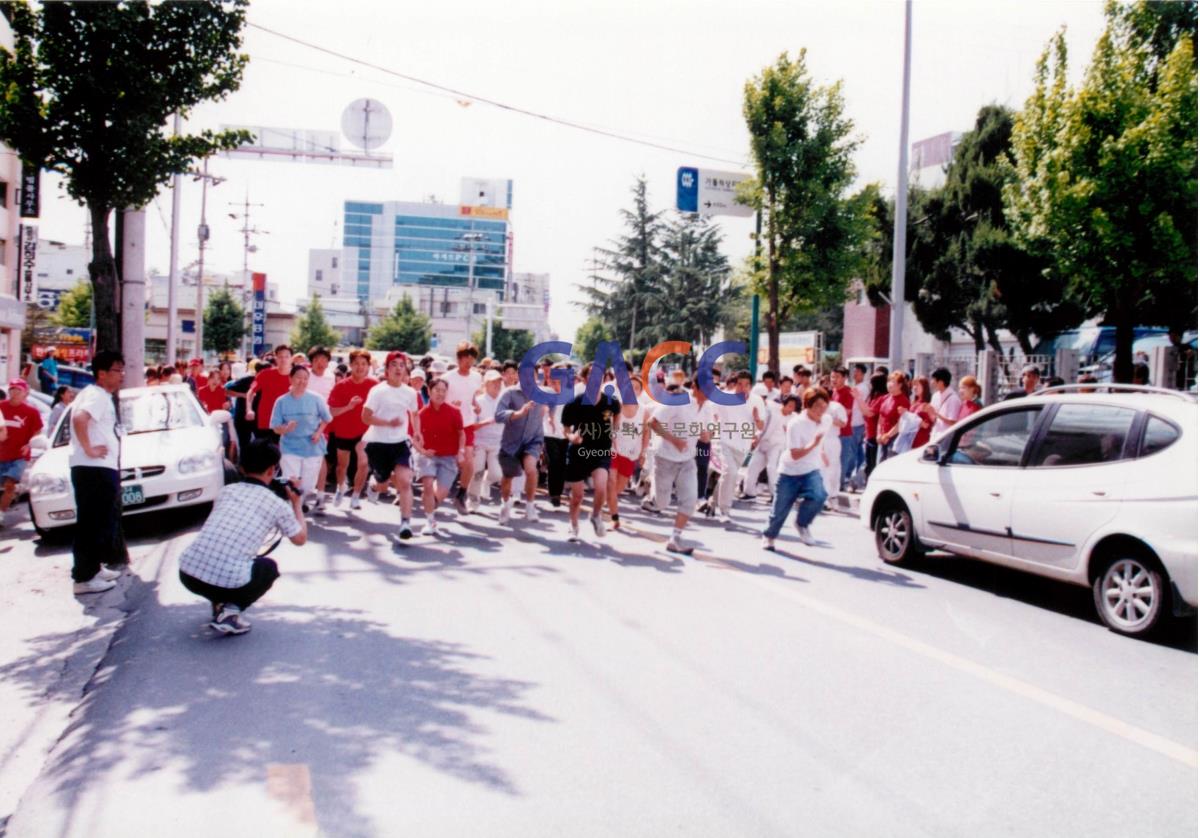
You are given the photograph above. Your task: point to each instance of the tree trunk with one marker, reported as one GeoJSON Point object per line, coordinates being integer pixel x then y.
{"type": "Point", "coordinates": [1122, 319]}
{"type": "Point", "coordinates": [1026, 343]}
{"type": "Point", "coordinates": [992, 338]}
{"type": "Point", "coordinates": [103, 272]}
{"type": "Point", "coordinates": [977, 335]}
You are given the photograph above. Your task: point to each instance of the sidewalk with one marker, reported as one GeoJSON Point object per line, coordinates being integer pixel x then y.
{"type": "Point", "coordinates": [51, 647]}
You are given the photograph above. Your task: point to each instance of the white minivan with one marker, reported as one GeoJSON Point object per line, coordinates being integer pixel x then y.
{"type": "Point", "coordinates": [1090, 485]}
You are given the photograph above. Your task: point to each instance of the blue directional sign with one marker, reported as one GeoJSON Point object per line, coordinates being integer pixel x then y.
{"type": "Point", "coordinates": [687, 189]}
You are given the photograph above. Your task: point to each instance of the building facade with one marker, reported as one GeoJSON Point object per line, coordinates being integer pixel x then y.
{"type": "Point", "coordinates": [59, 268]}
{"type": "Point", "coordinates": [12, 310]}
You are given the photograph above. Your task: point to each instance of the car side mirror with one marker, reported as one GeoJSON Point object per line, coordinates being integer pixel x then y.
{"type": "Point", "coordinates": [931, 454]}
{"type": "Point", "coordinates": [39, 443]}
{"type": "Point", "coordinates": [218, 418]}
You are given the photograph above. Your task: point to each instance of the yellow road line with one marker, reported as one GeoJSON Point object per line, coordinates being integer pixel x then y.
{"type": "Point", "coordinates": [291, 785]}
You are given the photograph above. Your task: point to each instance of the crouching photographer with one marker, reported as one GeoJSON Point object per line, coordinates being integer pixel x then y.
{"type": "Point", "coordinates": [223, 564]}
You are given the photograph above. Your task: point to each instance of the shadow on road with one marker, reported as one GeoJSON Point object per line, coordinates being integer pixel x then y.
{"type": "Point", "coordinates": [322, 687]}
{"type": "Point", "coordinates": [1063, 598]}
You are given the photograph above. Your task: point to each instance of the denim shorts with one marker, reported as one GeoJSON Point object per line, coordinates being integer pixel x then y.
{"type": "Point", "coordinates": [13, 470]}
{"type": "Point", "coordinates": [441, 469]}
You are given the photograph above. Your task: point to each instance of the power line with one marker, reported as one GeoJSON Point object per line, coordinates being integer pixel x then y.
{"type": "Point", "coordinates": [461, 94]}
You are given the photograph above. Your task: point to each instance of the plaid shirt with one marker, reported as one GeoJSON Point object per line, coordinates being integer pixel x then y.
{"type": "Point", "coordinates": [242, 518]}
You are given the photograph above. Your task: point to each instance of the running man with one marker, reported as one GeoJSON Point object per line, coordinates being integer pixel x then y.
{"type": "Point", "coordinates": [487, 441]}
{"type": "Point", "coordinates": [800, 470]}
{"type": "Point", "coordinates": [681, 426]}
{"type": "Point", "coordinates": [588, 429]}
{"type": "Point", "coordinates": [347, 429]}
{"type": "Point", "coordinates": [463, 384]}
{"type": "Point", "coordinates": [440, 440]}
{"type": "Point", "coordinates": [268, 386]}
{"type": "Point", "coordinates": [389, 414]}
{"type": "Point", "coordinates": [520, 446]}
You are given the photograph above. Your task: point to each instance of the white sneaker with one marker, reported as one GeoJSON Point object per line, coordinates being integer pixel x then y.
{"type": "Point", "coordinates": [722, 516]}
{"type": "Point", "coordinates": [807, 537]}
{"type": "Point", "coordinates": [430, 528]}
{"type": "Point", "coordinates": [472, 504]}
{"type": "Point", "coordinates": [337, 497]}
{"type": "Point", "coordinates": [405, 530]}
{"type": "Point", "coordinates": [506, 511]}
{"type": "Point", "coordinates": [372, 496]}
{"type": "Point", "coordinates": [598, 525]}
{"type": "Point", "coordinates": [649, 505]}
{"type": "Point", "coordinates": [768, 543]}
{"type": "Point", "coordinates": [94, 585]}
{"type": "Point", "coordinates": [107, 573]}
{"type": "Point", "coordinates": [675, 546]}
{"type": "Point", "coordinates": [574, 535]}
{"type": "Point", "coordinates": [531, 513]}
{"type": "Point", "coordinates": [356, 502]}
{"type": "Point", "coordinates": [319, 505]}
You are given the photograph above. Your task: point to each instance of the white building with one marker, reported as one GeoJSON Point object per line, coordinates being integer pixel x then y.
{"type": "Point", "coordinates": [12, 310]}
{"type": "Point", "coordinates": [59, 268]}
{"type": "Point", "coordinates": [325, 274]}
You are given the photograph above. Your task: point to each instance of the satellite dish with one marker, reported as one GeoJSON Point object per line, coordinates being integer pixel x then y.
{"type": "Point", "coordinates": [366, 123]}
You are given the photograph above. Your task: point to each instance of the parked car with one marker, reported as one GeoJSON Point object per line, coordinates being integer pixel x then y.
{"type": "Point", "coordinates": [1094, 343]}
{"type": "Point", "coordinates": [170, 457]}
{"type": "Point", "coordinates": [1092, 488]}
{"type": "Point", "coordinates": [74, 377]}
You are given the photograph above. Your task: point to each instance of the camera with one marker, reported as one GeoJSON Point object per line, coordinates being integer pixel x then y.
{"type": "Point", "coordinates": [283, 489]}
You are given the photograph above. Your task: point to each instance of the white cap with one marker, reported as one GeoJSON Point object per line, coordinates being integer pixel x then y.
{"type": "Point", "coordinates": [491, 375]}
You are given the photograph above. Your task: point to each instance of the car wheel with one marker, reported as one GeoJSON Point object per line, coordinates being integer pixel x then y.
{"type": "Point", "coordinates": [895, 538]}
{"type": "Point", "coordinates": [1130, 594]}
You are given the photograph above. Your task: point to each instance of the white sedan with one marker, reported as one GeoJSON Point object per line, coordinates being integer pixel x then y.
{"type": "Point", "coordinates": [1096, 489]}
{"type": "Point", "coordinates": [170, 457]}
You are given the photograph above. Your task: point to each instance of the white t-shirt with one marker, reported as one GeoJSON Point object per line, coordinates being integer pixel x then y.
{"type": "Point", "coordinates": [773, 434]}
{"type": "Point", "coordinates": [946, 403]}
{"type": "Point", "coordinates": [388, 402]}
{"type": "Point", "coordinates": [488, 435]}
{"type": "Point", "coordinates": [686, 421]}
{"type": "Point", "coordinates": [460, 388]}
{"type": "Point", "coordinates": [800, 433]}
{"type": "Point", "coordinates": [102, 427]}
{"type": "Point", "coordinates": [762, 392]}
{"type": "Point", "coordinates": [627, 439]}
{"type": "Point", "coordinates": [864, 390]}
{"type": "Point", "coordinates": [552, 422]}
{"type": "Point", "coordinates": [833, 440]}
{"type": "Point", "coordinates": [737, 421]}
{"type": "Point", "coordinates": [321, 385]}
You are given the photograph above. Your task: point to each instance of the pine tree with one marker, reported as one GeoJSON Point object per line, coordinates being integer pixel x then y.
{"type": "Point", "coordinates": [405, 328]}
{"type": "Point", "coordinates": [224, 322]}
{"type": "Point", "coordinates": [312, 329]}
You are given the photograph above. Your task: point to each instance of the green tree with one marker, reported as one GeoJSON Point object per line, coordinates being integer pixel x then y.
{"type": "Point", "coordinates": [404, 328]}
{"type": "Point", "coordinates": [588, 337]}
{"type": "Point", "coordinates": [88, 89]}
{"type": "Point", "coordinates": [75, 306]}
{"type": "Point", "coordinates": [627, 279]}
{"type": "Point", "coordinates": [803, 147]}
{"type": "Point", "coordinates": [696, 293]}
{"type": "Point", "coordinates": [224, 322]}
{"type": "Point", "coordinates": [1105, 174]}
{"type": "Point", "coordinates": [312, 329]}
{"type": "Point", "coordinates": [507, 344]}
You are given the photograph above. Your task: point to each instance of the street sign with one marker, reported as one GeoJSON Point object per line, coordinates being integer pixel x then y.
{"type": "Point", "coordinates": [709, 192]}
{"type": "Point", "coordinates": [27, 242]}
{"type": "Point", "coordinates": [31, 191]}
{"type": "Point", "coordinates": [259, 333]}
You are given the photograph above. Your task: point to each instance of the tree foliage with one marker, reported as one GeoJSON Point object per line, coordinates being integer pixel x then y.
{"type": "Point", "coordinates": [88, 90]}
{"type": "Point", "coordinates": [507, 344]}
{"type": "Point", "coordinates": [224, 322]}
{"type": "Point", "coordinates": [589, 335]}
{"type": "Point", "coordinates": [75, 306]}
{"type": "Point", "coordinates": [1105, 174]}
{"type": "Point", "coordinates": [803, 146]}
{"type": "Point", "coordinates": [312, 329]}
{"type": "Point", "coordinates": [404, 328]}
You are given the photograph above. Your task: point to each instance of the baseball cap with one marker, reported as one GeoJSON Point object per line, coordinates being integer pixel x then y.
{"type": "Point", "coordinates": [18, 382]}
{"type": "Point", "coordinates": [391, 356]}
{"type": "Point", "coordinates": [196, 362]}
{"type": "Point", "coordinates": [438, 366]}
{"type": "Point", "coordinates": [491, 375]}
{"type": "Point", "coordinates": [417, 372]}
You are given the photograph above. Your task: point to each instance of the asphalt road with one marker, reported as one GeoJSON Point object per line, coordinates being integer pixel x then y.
{"type": "Point", "coordinates": [499, 683]}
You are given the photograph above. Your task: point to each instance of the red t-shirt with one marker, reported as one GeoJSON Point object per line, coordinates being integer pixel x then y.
{"type": "Point", "coordinates": [844, 397]}
{"type": "Point", "coordinates": [270, 384]}
{"type": "Point", "coordinates": [22, 423]}
{"type": "Point", "coordinates": [876, 404]}
{"type": "Point", "coordinates": [212, 398]}
{"type": "Point", "coordinates": [889, 412]}
{"type": "Point", "coordinates": [440, 428]}
{"type": "Point", "coordinates": [349, 425]}
{"type": "Point", "coordinates": [923, 433]}
{"type": "Point", "coordinates": [968, 407]}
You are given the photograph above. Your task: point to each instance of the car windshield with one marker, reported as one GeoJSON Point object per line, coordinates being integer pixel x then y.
{"type": "Point", "coordinates": [158, 411]}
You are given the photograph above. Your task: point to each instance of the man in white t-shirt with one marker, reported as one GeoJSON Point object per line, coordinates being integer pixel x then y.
{"type": "Point", "coordinates": [800, 471]}
{"type": "Point", "coordinates": [768, 388]}
{"type": "Point", "coordinates": [487, 440]}
{"type": "Point", "coordinates": [740, 424]}
{"type": "Point", "coordinates": [462, 385]}
{"type": "Point", "coordinates": [99, 546]}
{"type": "Point", "coordinates": [768, 447]}
{"type": "Point", "coordinates": [390, 416]}
{"type": "Point", "coordinates": [858, 423]}
{"type": "Point", "coordinates": [320, 383]}
{"type": "Point", "coordinates": [681, 427]}
{"type": "Point", "coordinates": [945, 401]}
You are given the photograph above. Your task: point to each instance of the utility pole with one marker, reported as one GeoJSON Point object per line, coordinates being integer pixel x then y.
{"type": "Point", "coordinates": [173, 274]}
{"type": "Point", "coordinates": [247, 248]}
{"type": "Point", "coordinates": [471, 240]}
{"type": "Point", "coordinates": [202, 234]}
{"type": "Point", "coordinates": [899, 243]}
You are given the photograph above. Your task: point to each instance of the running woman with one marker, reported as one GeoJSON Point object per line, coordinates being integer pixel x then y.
{"type": "Point", "coordinates": [487, 441]}
{"type": "Point", "coordinates": [440, 440]}
{"type": "Point", "coordinates": [588, 429]}
{"type": "Point", "coordinates": [389, 413]}
{"type": "Point", "coordinates": [631, 436]}
{"type": "Point", "coordinates": [346, 431]}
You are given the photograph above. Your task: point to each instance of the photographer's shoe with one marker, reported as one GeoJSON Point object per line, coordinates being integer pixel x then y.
{"type": "Point", "coordinates": [108, 574]}
{"type": "Point", "coordinates": [94, 585]}
{"type": "Point", "coordinates": [230, 621]}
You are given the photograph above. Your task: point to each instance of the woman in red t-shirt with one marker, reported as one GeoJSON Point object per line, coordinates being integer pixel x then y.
{"type": "Point", "coordinates": [969, 393]}
{"type": "Point", "coordinates": [870, 409]}
{"type": "Point", "coordinates": [922, 405]}
{"type": "Point", "coordinates": [893, 406]}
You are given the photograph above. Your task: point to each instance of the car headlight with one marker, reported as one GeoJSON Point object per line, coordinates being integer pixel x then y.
{"type": "Point", "coordinates": [48, 484]}
{"type": "Point", "coordinates": [198, 462]}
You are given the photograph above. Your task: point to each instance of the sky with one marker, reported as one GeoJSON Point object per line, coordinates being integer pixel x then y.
{"type": "Point", "coordinates": [666, 71]}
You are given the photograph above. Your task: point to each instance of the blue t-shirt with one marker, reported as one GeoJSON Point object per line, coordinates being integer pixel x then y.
{"type": "Point", "coordinates": [49, 368]}
{"type": "Point", "coordinates": [307, 412]}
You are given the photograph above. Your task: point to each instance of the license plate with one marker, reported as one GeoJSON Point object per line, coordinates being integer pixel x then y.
{"type": "Point", "coordinates": [132, 496]}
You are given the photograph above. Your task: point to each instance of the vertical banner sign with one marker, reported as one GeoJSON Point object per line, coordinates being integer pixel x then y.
{"type": "Point", "coordinates": [30, 191]}
{"type": "Point", "coordinates": [260, 313]}
{"type": "Point", "coordinates": [27, 263]}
